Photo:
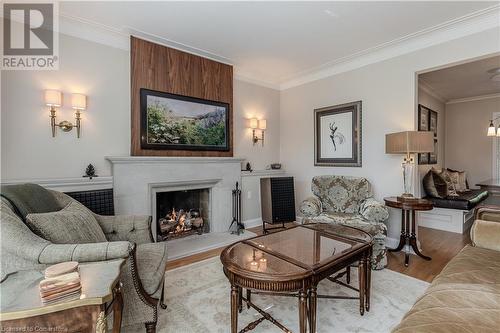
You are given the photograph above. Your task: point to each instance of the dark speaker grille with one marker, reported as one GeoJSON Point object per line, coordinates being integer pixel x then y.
{"type": "Point", "coordinates": [283, 199]}
{"type": "Point", "coordinates": [98, 201]}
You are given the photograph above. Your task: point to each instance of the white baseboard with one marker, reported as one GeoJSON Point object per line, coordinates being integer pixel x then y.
{"type": "Point", "coordinates": [391, 243]}
{"type": "Point", "coordinates": [252, 223]}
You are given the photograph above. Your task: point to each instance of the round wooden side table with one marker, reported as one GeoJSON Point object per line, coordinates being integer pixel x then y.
{"type": "Point", "coordinates": [408, 223]}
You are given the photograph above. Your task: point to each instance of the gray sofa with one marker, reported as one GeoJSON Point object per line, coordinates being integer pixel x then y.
{"type": "Point", "coordinates": [349, 201]}
{"type": "Point", "coordinates": [128, 237]}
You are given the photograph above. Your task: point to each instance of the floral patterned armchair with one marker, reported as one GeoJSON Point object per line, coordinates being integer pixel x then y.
{"type": "Point", "coordinates": [348, 201]}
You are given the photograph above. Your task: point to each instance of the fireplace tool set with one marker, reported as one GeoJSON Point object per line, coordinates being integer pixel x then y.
{"type": "Point", "coordinates": [236, 226]}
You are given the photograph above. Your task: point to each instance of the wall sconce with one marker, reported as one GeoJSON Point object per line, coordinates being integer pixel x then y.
{"type": "Point", "coordinates": [258, 124]}
{"type": "Point", "coordinates": [53, 98]}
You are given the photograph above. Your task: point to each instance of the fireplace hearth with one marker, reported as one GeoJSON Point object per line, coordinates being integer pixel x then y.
{"type": "Point", "coordinates": [182, 213]}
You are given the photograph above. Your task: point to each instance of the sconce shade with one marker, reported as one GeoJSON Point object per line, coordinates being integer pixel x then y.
{"type": "Point", "coordinates": [491, 129]}
{"type": "Point", "coordinates": [78, 101]}
{"type": "Point", "coordinates": [409, 142]}
{"type": "Point", "coordinates": [53, 98]}
{"type": "Point", "coordinates": [254, 123]}
{"type": "Point", "coordinates": [262, 124]}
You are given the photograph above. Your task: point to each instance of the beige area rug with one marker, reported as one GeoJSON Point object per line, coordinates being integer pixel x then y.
{"type": "Point", "coordinates": [198, 301]}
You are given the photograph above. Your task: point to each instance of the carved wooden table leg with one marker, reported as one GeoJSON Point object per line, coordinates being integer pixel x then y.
{"type": "Point", "coordinates": [413, 238]}
{"type": "Point", "coordinates": [362, 285]}
{"type": "Point", "coordinates": [240, 299]}
{"type": "Point", "coordinates": [313, 304]}
{"type": "Point", "coordinates": [249, 298]}
{"type": "Point", "coordinates": [234, 308]}
{"type": "Point", "coordinates": [117, 308]}
{"type": "Point", "coordinates": [368, 280]}
{"type": "Point", "coordinates": [303, 311]}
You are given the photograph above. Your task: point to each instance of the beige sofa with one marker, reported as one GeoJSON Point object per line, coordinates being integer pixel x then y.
{"type": "Point", "coordinates": [465, 297]}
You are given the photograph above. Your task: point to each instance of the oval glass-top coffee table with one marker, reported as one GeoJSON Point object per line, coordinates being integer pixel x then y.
{"type": "Point", "coordinates": [291, 263]}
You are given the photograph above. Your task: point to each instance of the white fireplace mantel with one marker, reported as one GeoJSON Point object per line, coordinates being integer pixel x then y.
{"type": "Point", "coordinates": [161, 159]}
{"type": "Point", "coordinates": [134, 178]}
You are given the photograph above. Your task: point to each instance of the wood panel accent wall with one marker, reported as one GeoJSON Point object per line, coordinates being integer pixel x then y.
{"type": "Point", "coordinates": [161, 68]}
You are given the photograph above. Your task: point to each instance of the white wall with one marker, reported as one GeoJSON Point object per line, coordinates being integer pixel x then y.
{"type": "Point", "coordinates": [434, 104]}
{"type": "Point", "coordinates": [388, 92]}
{"type": "Point", "coordinates": [102, 73]}
{"type": "Point", "coordinates": [467, 146]}
{"type": "Point", "coordinates": [253, 101]}
{"type": "Point", "coordinates": [28, 149]}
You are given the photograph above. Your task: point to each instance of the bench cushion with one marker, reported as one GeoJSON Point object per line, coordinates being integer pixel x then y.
{"type": "Point", "coordinates": [464, 201]}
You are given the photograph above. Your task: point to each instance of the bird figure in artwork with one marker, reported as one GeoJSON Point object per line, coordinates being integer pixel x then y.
{"type": "Point", "coordinates": [335, 136]}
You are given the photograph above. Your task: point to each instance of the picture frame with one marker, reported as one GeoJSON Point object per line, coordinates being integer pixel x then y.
{"type": "Point", "coordinates": [433, 122]}
{"type": "Point", "coordinates": [433, 157]}
{"type": "Point", "coordinates": [338, 135]}
{"type": "Point", "coordinates": [423, 125]}
{"type": "Point", "coordinates": [176, 122]}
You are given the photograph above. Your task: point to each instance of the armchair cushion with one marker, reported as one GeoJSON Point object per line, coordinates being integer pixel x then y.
{"type": "Point", "coordinates": [74, 224]}
{"type": "Point", "coordinates": [310, 207]}
{"type": "Point", "coordinates": [372, 210]}
{"type": "Point", "coordinates": [486, 234]}
{"type": "Point", "coordinates": [151, 262]}
{"type": "Point", "coordinates": [341, 193]}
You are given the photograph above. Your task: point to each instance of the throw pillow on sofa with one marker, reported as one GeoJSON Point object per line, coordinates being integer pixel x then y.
{"type": "Point", "coordinates": [434, 185]}
{"type": "Point", "coordinates": [74, 224]}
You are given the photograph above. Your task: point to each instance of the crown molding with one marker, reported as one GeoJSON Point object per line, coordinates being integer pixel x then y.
{"type": "Point", "coordinates": [257, 82]}
{"type": "Point", "coordinates": [473, 98]}
{"type": "Point", "coordinates": [429, 90]}
{"type": "Point", "coordinates": [178, 46]}
{"type": "Point", "coordinates": [93, 31]}
{"type": "Point", "coordinates": [475, 22]}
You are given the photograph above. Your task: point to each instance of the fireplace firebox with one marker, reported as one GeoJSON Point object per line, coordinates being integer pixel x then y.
{"type": "Point", "coordinates": [182, 213]}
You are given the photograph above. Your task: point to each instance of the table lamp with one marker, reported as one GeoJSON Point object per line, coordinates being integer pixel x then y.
{"type": "Point", "coordinates": [408, 143]}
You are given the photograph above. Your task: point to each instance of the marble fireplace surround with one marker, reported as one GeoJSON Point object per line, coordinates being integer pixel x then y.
{"type": "Point", "coordinates": [137, 178]}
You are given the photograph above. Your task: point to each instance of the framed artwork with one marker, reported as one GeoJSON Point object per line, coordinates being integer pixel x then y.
{"type": "Point", "coordinates": [427, 121]}
{"type": "Point", "coordinates": [433, 122]}
{"type": "Point", "coordinates": [433, 157]}
{"type": "Point", "coordinates": [423, 118]}
{"type": "Point", "coordinates": [170, 121]}
{"type": "Point", "coordinates": [337, 135]}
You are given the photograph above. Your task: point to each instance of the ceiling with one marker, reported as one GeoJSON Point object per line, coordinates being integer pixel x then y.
{"type": "Point", "coordinates": [272, 42]}
{"type": "Point", "coordinates": [471, 79]}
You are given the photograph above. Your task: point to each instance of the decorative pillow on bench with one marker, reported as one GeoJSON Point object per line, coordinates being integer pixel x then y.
{"type": "Point", "coordinates": [435, 185]}
{"type": "Point", "coordinates": [461, 180]}
{"type": "Point", "coordinates": [74, 224]}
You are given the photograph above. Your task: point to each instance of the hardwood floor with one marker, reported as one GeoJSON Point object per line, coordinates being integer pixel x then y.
{"type": "Point", "coordinates": [440, 245]}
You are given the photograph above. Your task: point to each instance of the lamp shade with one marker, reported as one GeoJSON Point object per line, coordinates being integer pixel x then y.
{"type": "Point", "coordinates": [491, 129]}
{"type": "Point", "coordinates": [262, 124]}
{"type": "Point", "coordinates": [254, 123]}
{"type": "Point", "coordinates": [53, 97]}
{"type": "Point", "coordinates": [78, 101]}
{"type": "Point", "coordinates": [409, 142]}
